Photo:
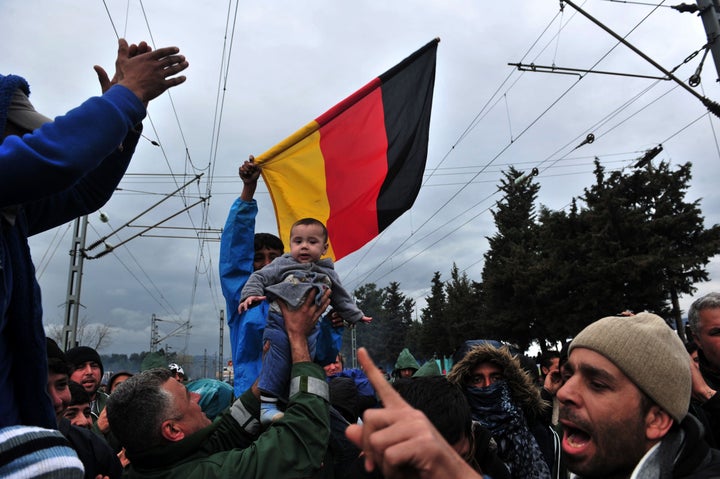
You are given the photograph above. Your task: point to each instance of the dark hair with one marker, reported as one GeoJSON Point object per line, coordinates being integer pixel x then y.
{"type": "Point", "coordinates": [547, 357]}
{"type": "Point", "coordinates": [137, 408]}
{"type": "Point", "coordinates": [78, 395]}
{"type": "Point", "coordinates": [344, 397]}
{"type": "Point", "coordinates": [269, 241]}
{"type": "Point", "coordinates": [691, 346]}
{"type": "Point", "coordinates": [528, 364]}
{"type": "Point", "coordinates": [57, 362]}
{"type": "Point", "coordinates": [310, 222]}
{"type": "Point", "coordinates": [58, 366]}
{"type": "Point", "coordinates": [115, 377]}
{"type": "Point", "coordinates": [443, 402]}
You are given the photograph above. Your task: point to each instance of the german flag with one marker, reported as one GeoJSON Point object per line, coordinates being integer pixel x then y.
{"type": "Point", "coordinates": [358, 166]}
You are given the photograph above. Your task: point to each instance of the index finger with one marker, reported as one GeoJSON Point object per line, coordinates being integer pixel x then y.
{"type": "Point", "coordinates": [163, 52]}
{"type": "Point", "coordinates": [385, 392]}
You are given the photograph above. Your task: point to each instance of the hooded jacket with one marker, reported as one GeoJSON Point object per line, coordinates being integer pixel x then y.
{"type": "Point", "coordinates": [525, 395]}
{"type": "Point", "coordinates": [406, 360]}
{"type": "Point", "coordinates": [64, 169]}
{"type": "Point", "coordinates": [430, 368]}
{"type": "Point", "coordinates": [524, 391]}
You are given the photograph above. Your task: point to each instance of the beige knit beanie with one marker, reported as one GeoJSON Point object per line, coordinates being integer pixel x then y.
{"type": "Point", "coordinates": [648, 352]}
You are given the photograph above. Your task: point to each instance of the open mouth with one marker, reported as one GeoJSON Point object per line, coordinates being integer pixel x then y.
{"type": "Point", "coordinates": [575, 440]}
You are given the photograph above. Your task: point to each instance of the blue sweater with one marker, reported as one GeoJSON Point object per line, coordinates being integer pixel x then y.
{"type": "Point", "coordinates": [63, 170]}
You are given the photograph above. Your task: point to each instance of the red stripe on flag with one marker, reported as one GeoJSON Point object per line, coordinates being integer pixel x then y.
{"type": "Point", "coordinates": [354, 147]}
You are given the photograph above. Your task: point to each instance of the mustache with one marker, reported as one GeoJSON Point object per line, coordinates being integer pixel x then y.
{"type": "Point", "coordinates": [578, 422]}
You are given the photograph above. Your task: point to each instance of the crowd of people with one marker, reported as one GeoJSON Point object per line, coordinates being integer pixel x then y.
{"type": "Point", "coordinates": [625, 399]}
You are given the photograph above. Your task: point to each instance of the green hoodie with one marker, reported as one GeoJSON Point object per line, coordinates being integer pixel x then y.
{"type": "Point", "coordinates": [406, 360]}
{"type": "Point", "coordinates": [232, 447]}
{"type": "Point", "coordinates": [430, 368]}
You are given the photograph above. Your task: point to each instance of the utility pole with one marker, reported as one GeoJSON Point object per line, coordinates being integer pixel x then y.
{"type": "Point", "coordinates": [709, 14]}
{"type": "Point", "coordinates": [353, 347]}
{"type": "Point", "coordinates": [154, 340]}
{"type": "Point", "coordinates": [204, 363]}
{"type": "Point", "coordinates": [712, 106]}
{"type": "Point", "coordinates": [72, 300]}
{"type": "Point", "coordinates": [220, 348]}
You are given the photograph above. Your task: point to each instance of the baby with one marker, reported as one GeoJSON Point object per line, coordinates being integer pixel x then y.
{"type": "Point", "coordinates": [290, 278]}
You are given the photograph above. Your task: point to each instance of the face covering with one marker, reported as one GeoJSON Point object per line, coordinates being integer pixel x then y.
{"type": "Point", "coordinates": [492, 406]}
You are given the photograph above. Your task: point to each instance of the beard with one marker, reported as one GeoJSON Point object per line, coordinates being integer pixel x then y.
{"type": "Point", "coordinates": [619, 446]}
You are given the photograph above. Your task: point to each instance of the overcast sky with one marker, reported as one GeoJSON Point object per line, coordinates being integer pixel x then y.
{"type": "Point", "coordinates": [260, 70]}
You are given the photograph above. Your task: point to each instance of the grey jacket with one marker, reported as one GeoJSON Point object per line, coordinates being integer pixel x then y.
{"type": "Point", "coordinates": [291, 281]}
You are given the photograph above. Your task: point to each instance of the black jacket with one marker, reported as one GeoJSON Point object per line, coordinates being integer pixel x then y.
{"type": "Point", "coordinates": [690, 455]}
{"type": "Point", "coordinates": [709, 412]}
{"type": "Point", "coordinates": [94, 452]}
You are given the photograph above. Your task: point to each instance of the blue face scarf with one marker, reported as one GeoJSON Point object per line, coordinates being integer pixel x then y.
{"type": "Point", "coordinates": [493, 407]}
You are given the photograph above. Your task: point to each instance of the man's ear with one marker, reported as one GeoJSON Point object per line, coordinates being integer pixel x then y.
{"type": "Point", "coordinates": [171, 432]}
{"type": "Point", "coordinates": [657, 423]}
{"type": "Point", "coordinates": [697, 340]}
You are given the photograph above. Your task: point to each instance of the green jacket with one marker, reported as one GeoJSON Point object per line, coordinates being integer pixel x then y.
{"type": "Point", "coordinates": [406, 360]}
{"type": "Point", "coordinates": [232, 447]}
{"type": "Point", "coordinates": [430, 368]}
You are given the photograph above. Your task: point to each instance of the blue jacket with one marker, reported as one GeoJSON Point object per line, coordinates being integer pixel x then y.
{"type": "Point", "coordinates": [63, 170]}
{"type": "Point", "coordinates": [237, 251]}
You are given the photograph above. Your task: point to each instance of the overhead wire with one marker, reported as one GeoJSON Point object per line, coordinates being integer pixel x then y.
{"type": "Point", "coordinates": [42, 264]}
{"type": "Point", "coordinates": [166, 305]}
{"type": "Point", "coordinates": [461, 189]}
{"type": "Point", "coordinates": [494, 99]}
{"type": "Point", "coordinates": [217, 123]}
{"type": "Point", "coordinates": [385, 261]}
{"type": "Point", "coordinates": [202, 264]}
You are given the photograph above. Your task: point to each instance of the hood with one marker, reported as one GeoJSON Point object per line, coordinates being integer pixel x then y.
{"type": "Point", "coordinates": [524, 392]}
{"type": "Point", "coordinates": [406, 360]}
{"type": "Point", "coordinates": [430, 368]}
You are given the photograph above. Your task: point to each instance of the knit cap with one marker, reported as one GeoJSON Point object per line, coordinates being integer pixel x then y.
{"type": "Point", "coordinates": [54, 351]}
{"type": "Point", "coordinates": [650, 354]}
{"type": "Point", "coordinates": [82, 354]}
{"type": "Point", "coordinates": [15, 105]}
{"type": "Point", "coordinates": [33, 452]}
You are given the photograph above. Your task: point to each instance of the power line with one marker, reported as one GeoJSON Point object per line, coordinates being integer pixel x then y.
{"type": "Point", "coordinates": [387, 258]}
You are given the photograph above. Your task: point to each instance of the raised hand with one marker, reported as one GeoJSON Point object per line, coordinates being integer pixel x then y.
{"type": "Point", "coordinates": [145, 72]}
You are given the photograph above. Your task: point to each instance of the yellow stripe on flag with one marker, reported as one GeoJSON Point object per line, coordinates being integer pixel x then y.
{"type": "Point", "coordinates": [296, 170]}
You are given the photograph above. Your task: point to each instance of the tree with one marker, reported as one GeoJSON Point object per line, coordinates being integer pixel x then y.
{"type": "Point", "coordinates": [561, 298]}
{"type": "Point", "coordinates": [398, 311]}
{"type": "Point", "coordinates": [370, 300]}
{"type": "Point", "coordinates": [509, 277]}
{"type": "Point", "coordinates": [434, 333]}
{"type": "Point", "coordinates": [96, 336]}
{"type": "Point", "coordinates": [462, 315]}
{"type": "Point", "coordinates": [652, 243]}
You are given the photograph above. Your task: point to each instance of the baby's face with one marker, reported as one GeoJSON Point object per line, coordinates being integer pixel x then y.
{"type": "Point", "coordinates": [307, 243]}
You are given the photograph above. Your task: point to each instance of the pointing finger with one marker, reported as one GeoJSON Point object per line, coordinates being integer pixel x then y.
{"type": "Point", "coordinates": [385, 392]}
